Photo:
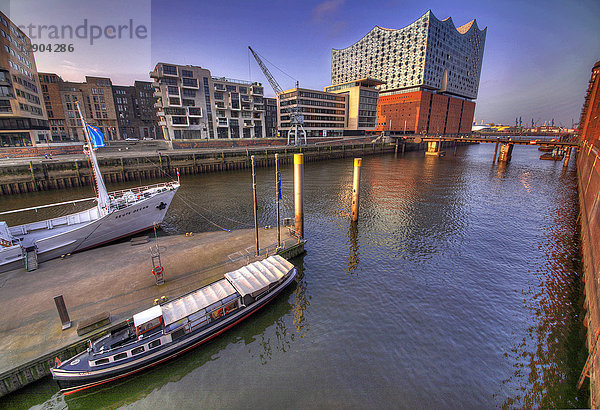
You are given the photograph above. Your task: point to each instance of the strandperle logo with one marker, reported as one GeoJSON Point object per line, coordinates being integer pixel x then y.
{"type": "Point", "coordinates": [91, 32]}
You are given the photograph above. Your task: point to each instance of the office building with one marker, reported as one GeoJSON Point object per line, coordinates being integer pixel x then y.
{"type": "Point", "coordinates": [431, 71]}
{"type": "Point", "coordinates": [362, 104]}
{"type": "Point", "coordinates": [324, 113]}
{"type": "Point", "coordinates": [23, 120]}
{"type": "Point", "coordinates": [193, 104]}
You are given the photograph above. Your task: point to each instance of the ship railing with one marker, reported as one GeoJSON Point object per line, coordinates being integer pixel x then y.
{"type": "Point", "coordinates": [141, 189]}
{"type": "Point", "coordinates": [126, 197]}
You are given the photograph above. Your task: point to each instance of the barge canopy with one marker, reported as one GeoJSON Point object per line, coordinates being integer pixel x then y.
{"type": "Point", "coordinates": [255, 278]}
{"type": "Point", "coordinates": [196, 301]}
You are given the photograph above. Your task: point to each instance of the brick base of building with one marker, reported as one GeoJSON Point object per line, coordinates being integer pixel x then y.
{"type": "Point", "coordinates": [424, 112]}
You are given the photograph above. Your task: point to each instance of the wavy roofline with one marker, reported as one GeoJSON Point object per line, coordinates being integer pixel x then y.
{"type": "Point", "coordinates": [462, 30]}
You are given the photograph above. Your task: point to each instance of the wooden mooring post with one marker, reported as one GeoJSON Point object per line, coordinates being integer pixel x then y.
{"type": "Point", "coordinates": [299, 195]}
{"type": "Point", "coordinates": [356, 189]}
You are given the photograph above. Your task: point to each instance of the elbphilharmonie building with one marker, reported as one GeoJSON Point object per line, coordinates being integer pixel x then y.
{"type": "Point", "coordinates": [431, 64]}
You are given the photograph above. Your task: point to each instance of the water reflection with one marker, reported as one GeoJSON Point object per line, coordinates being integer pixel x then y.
{"type": "Point", "coordinates": [548, 359]}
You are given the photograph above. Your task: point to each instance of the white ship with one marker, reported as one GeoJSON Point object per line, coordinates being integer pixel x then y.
{"type": "Point", "coordinates": [116, 215]}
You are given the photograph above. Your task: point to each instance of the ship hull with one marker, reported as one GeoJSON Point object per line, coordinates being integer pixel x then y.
{"type": "Point", "coordinates": [120, 223]}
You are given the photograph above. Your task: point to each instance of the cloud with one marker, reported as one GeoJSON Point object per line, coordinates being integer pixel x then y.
{"type": "Point", "coordinates": [326, 8]}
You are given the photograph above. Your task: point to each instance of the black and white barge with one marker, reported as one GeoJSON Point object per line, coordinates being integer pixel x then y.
{"type": "Point", "coordinates": [165, 331]}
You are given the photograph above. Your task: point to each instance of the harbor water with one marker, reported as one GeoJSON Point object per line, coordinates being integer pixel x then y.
{"type": "Point", "coordinates": [460, 286]}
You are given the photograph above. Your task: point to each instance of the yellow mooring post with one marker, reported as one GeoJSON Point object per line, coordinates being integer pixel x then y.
{"type": "Point", "coordinates": [356, 188]}
{"type": "Point", "coordinates": [299, 194]}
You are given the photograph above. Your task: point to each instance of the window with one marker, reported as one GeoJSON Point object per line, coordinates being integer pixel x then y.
{"type": "Point", "coordinates": [243, 90]}
{"type": "Point", "coordinates": [187, 73]}
{"type": "Point", "coordinates": [137, 350]}
{"type": "Point", "coordinates": [188, 102]}
{"type": "Point", "coordinates": [169, 69]}
{"type": "Point", "coordinates": [174, 101]}
{"type": "Point", "coordinates": [188, 93]}
{"type": "Point", "coordinates": [120, 356]}
{"type": "Point", "coordinates": [190, 82]}
{"type": "Point", "coordinates": [173, 90]}
{"type": "Point", "coordinates": [179, 120]}
{"type": "Point", "coordinates": [168, 81]}
{"type": "Point", "coordinates": [153, 344]}
{"type": "Point", "coordinates": [231, 88]}
{"type": "Point", "coordinates": [218, 96]}
{"type": "Point", "coordinates": [195, 111]}
{"type": "Point", "coordinates": [101, 361]}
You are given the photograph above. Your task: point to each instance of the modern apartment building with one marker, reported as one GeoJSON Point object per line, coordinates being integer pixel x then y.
{"type": "Point", "coordinates": [95, 98]}
{"type": "Point", "coordinates": [136, 114]}
{"type": "Point", "coordinates": [193, 104]}
{"type": "Point", "coordinates": [23, 120]}
{"type": "Point", "coordinates": [425, 59]}
{"type": "Point", "coordinates": [324, 112]}
{"type": "Point", "coordinates": [270, 117]}
{"type": "Point", "coordinates": [362, 103]}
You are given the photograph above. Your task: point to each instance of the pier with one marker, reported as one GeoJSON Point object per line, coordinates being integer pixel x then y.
{"type": "Point", "coordinates": [111, 282]}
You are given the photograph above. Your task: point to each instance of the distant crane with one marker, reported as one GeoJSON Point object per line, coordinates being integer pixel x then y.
{"type": "Point", "coordinates": [297, 120]}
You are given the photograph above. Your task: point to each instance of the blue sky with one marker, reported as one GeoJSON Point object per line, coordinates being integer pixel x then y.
{"type": "Point", "coordinates": [537, 60]}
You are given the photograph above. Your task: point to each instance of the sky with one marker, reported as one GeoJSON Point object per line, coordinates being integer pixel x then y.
{"type": "Point", "coordinates": [537, 59]}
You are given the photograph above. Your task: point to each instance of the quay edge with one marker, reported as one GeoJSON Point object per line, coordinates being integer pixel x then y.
{"type": "Point", "coordinates": [588, 180]}
{"type": "Point", "coordinates": [38, 174]}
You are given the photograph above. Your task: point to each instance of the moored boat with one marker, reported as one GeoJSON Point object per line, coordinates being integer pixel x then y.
{"type": "Point", "coordinates": [116, 215]}
{"type": "Point", "coordinates": [167, 330]}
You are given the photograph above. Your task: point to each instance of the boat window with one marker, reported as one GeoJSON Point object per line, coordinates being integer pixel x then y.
{"type": "Point", "coordinates": [153, 344]}
{"type": "Point", "coordinates": [101, 361]}
{"type": "Point", "coordinates": [137, 350]}
{"type": "Point", "coordinates": [120, 356]}
{"type": "Point", "coordinates": [151, 324]}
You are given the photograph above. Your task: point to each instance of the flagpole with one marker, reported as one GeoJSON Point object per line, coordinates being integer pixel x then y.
{"type": "Point", "coordinates": [277, 193]}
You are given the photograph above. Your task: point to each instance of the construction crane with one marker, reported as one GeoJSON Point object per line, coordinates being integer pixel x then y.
{"type": "Point", "coordinates": [297, 120]}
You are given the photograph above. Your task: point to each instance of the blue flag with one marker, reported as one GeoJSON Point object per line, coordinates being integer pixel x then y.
{"type": "Point", "coordinates": [279, 179]}
{"type": "Point", "coordinates": [96, 136]}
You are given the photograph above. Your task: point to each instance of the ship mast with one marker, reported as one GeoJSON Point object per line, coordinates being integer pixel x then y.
{"type": "Point", "coordinates": [103, 200]}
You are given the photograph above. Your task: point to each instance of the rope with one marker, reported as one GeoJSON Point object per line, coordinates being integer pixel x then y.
{"type": "Point", "coordinates": [208, 220]}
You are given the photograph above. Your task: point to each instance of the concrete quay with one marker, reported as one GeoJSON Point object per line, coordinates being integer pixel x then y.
{"type": "Point", "coordinates": [21, 175]}
{"type": "Point", "coordinates": [117, 279]}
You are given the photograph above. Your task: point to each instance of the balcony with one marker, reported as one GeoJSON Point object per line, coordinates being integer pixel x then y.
{"type": "Point", "coordinates": [160, 112]}
{"type": "Point", "coordinates": [154, 74]}
{"type": "Point", "coordinates": [157, 94]}
{"type": "Point", "coordinates": [158, 104]}
{"type": "Point", "coordinates": [162, 122]}
{"type": "Point", "coordinates": [259, 108]}
{"type": "Point", "coordinates": [248, 124]}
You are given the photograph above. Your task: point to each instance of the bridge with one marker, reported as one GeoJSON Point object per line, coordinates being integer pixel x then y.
{"type": "Point", "coordinates": [506, 143]}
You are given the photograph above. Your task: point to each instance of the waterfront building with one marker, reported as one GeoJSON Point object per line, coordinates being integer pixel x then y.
{"type": "Point", "coordinates": [193, 104]}
{"type": "Point", "coordinates": [270, 117]}
{"type": "Point", "coordinates": [361, 112]}
{"type": "Point", "coordinates": [136, 114]}
{"type": "Point", "coordinates": [431, 71]}
{"type": "Point", "coordinates": [324, 112]}
{"type": "Point", "coordinates": [23, 119]}
{"type": "Point", "coordinates": [589, 124]}
{"type": "Point", "coordinates": [96, 100]}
